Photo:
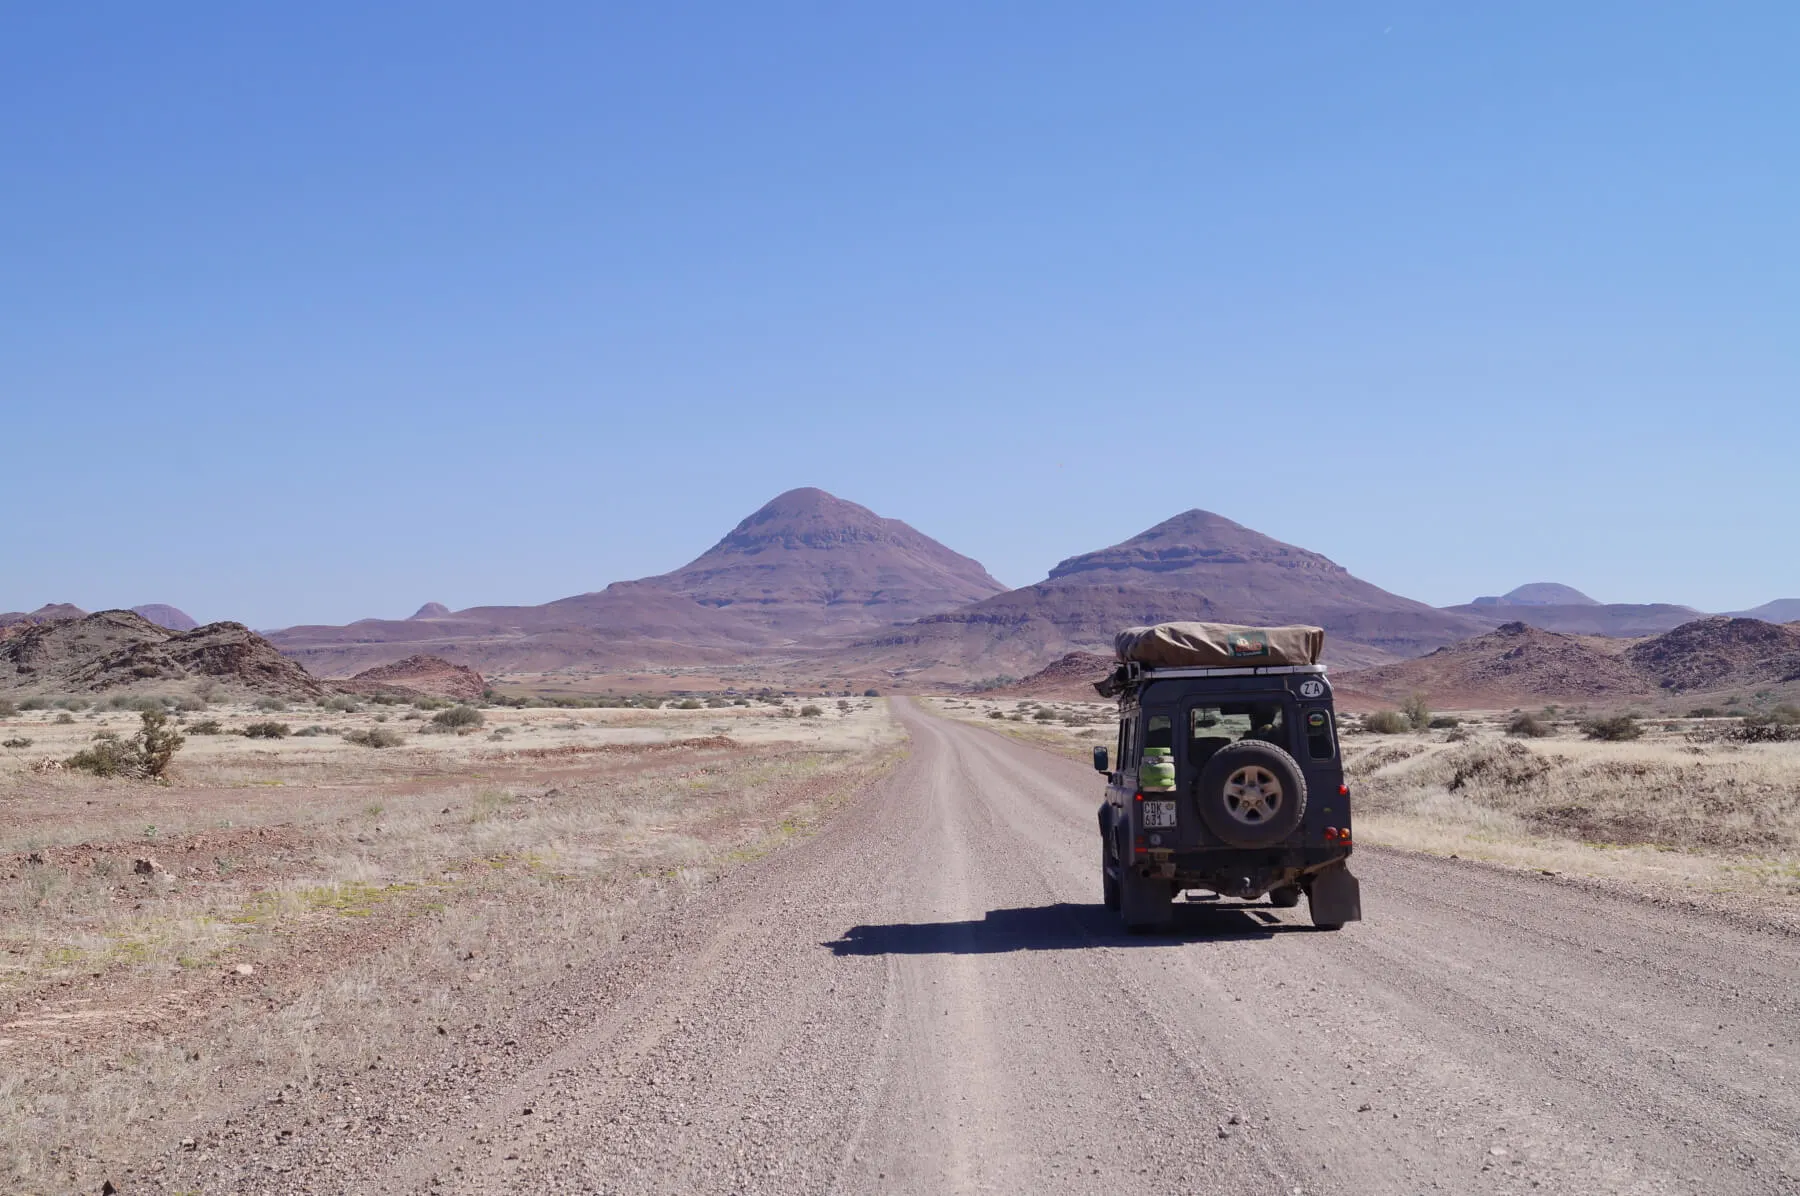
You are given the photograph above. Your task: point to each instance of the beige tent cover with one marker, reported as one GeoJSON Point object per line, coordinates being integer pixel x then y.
{"type": "Point", "coordinates": [1218, 645]}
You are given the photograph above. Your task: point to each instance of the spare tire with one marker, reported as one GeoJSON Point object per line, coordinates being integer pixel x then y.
{"type": "Point", "coordinates": [1251, 794]}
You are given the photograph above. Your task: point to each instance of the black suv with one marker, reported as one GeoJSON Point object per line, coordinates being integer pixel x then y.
{"type": "Point", "coordinates": [1227, 779]}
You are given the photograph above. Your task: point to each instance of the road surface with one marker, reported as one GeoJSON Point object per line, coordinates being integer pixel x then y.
{"type": "Point", "coordinates": [927, 997]}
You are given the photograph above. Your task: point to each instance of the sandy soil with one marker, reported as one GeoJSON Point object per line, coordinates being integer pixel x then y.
{"type": "Point", "coordinates": [926, 997]}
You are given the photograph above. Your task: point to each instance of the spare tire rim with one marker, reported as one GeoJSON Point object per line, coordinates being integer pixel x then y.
{"type": "Point", "coordinates": [1253, 795]}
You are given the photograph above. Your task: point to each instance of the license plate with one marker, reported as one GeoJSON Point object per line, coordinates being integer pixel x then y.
{"type": "Point", "coordinates": [1159, 814]}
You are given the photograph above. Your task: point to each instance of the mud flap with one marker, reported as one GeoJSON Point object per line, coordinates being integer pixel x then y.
{"type": "Point", "coordinates": [1334, 897]}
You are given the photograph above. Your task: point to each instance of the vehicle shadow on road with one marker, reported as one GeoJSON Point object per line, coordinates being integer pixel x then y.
{"type": "Point", "coordinates": [1064, 926]}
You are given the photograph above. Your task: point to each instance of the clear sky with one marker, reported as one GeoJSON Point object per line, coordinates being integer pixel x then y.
{"type": "Point", "coordinates": [311, 312]}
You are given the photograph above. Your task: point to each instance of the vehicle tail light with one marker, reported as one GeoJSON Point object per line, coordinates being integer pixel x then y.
{"type": "Point", "coordinates": [1331, 832]}
{"type": "Point", "coordinates": [1343, 791]}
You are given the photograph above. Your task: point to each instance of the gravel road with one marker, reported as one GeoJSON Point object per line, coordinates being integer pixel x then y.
{"type": "Point", "coordinates": [927, 997]}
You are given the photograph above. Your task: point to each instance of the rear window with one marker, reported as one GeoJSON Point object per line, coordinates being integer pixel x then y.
{"type": "Point", "coordinates": [1321, 744]}
{"type": "Point", "coordinates": [1212, 727]}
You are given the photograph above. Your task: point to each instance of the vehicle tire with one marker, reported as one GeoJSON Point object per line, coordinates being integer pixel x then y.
{"type": "Point", "coordinates": [1286, 897]}
{"type": "Point", "coordinates": [1109, 880]}
{"type": "Point", "coordinates": [1251, 794]}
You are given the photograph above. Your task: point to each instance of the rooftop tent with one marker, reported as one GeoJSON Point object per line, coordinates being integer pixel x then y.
{"type": "Point", "coordinates": [1218, 645]}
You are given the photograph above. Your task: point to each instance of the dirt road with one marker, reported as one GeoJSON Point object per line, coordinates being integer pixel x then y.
{"type": "Point", "coordinates": [927, 997]}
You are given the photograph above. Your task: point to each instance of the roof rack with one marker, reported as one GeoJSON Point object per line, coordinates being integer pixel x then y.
{"type": "Point", "coordinates": [1131, 674]}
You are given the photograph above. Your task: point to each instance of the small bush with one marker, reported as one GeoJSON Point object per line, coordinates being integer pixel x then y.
{"type": "Point", "coordinates": [269, 730]}
{"type": "Point", "coordinates": [1617, 729]}
{"type": "Point", "coordinates": [190, 705]}
{"type": "Point", "coordinates": [460, 719]}
{"type": "Point", "coordinates": [108, 757]}
{"type": "Point", "coordinates": [147, 754]}
{"type": "Point", "coordinates": [18, 741]}
{"type": "Point", "coordinates": [64, 718]}
{"type": "Point", "coordinates": [810, 712]}
{"type": "Point", "coordinates": [375, 737]}
{"type": "Point", "coordinates": [1528, 726]}
{"type": "Point", "coordinates": [206, 726]}
{"type": "Point", "coordinates": [430, 703]}
{"type": "Point", "coordinates": [35, 704]}
{"type": "Point", "coordinates": [688, 704]}
{"type": "Point", "coordinates": [271, 705]}
{"type": "Point", "coordinates": [1444, 722]}
{"type": "Point", "coordinates": [7, 709]}
{"type": "Point", "coordinates": [996, 714]}
{"type": "Point", "coordinates": [1704, 712]}
{"type": "Point", "coordinates": [311, 732]}
{"type": "Point", "coordinates": [871, 693]}
{"type": "Point", "coordinates": [342, 703]}
{"type": "Point", "coordinates": [1417, 713]}
{"type": "Point", "coordinates": [1386, 722]}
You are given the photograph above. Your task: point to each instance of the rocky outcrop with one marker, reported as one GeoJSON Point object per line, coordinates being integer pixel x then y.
{"type": "Point", "coordinates": [419, 676]}
{"type": "Point", "coordinates": [121, 651]}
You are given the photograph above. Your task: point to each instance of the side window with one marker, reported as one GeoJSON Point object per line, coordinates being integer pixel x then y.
{"type": "Point", "coordinates": [1320, 743]}
{"type": "Point", "coordinates": [1119, 757]}
{"type": "Point", "coordinates": [1159, 732]}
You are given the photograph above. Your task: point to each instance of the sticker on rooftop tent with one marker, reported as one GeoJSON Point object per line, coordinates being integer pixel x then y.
{"type": "Point", "coordinates": [1248, 643]}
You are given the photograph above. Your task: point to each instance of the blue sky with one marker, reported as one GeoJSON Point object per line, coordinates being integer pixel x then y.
{"type": "Point", "coordinates": [311, 312]}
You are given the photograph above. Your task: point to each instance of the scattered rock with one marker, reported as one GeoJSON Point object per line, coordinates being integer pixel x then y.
{"type": "Point", "coordinates": [245, 969]}
{"type": "Point", "coordinates": [145, 866]}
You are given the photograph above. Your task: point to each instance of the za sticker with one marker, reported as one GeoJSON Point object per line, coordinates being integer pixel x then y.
{"type": "Point", "coordinates": [1312, 689]}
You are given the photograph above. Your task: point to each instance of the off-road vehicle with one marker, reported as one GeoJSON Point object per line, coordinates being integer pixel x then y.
{"type": "Point", "coordinates": [1226, 775]}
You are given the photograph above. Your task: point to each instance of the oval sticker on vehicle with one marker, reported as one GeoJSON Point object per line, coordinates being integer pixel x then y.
{"type": "Point", "coordinates": [1312, 689]}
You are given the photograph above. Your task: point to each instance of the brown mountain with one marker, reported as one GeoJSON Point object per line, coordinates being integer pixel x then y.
{"type": "Point", "coordinates": [1720, 653]}
{"type": "Point", "coordinates": [1519, 663]}
{"type": "Point", "coordinates": [1514, 663]}
{"type": "Point", "coordinates": [1197, 565]}
{"type": "Point", "coordinates": [805, 566]}
{"type": "Point", "coordinates": [1620, 619]}
{"type": "Point", "coordinates": [121, 651]}
{"type": "Point", "coordinates": [163, 615]}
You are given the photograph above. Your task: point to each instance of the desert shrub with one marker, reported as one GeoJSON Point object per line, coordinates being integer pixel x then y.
{"type": "Point", "coordinates": [206, 726]}
{"type": "Point", "coordinates": [688, 704]}
{"type": "Point", "coordinates": [343, 703]}
{"type": "Point", "coordinates": [810, 712]}
{"type": "Point", "coordinates": [1459, 734]}
{"type": "Point", "coordinates": [146, 754]}
{"type": "Point", "coordinates": [1386, 722]}
{"type": "Point", "coordinates": [1704, 712]}
{"type": "Point", "coordinates": [109, 756]}
{"type": "Point", "coordinates": [1787, 714]}
{"type": "Point", "coordinates": [1528, 726]}
{"type": "Point", "coordinates": [157, 743]}
{"type": "Point", "coordinates": [1044, 716]}
{"type": "Point", "coordinates": [1444, 722]}
{"type": "Point", "coordinates": [17, 741]}
{"type": "Point", "coordinates": [460, 719]}
{"type": "Point", "coordinates": [311, 732]}
{"type": "Point", "coordinates": [1616, 729]}
{"type": "Point", "coordinates": [190, 705]}
{"type": "Point", "coordinates": [71, 703]}
{"type": "Point", "coordinates": [996, 714]}
{"type": "Point", "coordinates": [35, 704]}
{"type": "Point", "coordinates": [268, 730]}
{"type": "Point", "coordinates": [650, 703]}
{"type": "Point", "coordinates": [270, 705]}
{"type": "Point", "coordinates": [871, 693]}
{"type": "Point", "coordinates": [64, 718]}
{"type": "Point", "coordinates": [7, 709]}
{"type": "Point", "coordinates": [1418, 714]}
{"type": "Point", "coordinates": [375, 737]}
{"type": "Point", "coordinates": [430, 703]}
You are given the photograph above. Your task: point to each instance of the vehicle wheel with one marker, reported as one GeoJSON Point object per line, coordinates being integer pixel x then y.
{"type": "Point", "coordinates": [1286, 897]}
{"type": "Point", "coordinates": [1109, 880]}
{"type": "Point", "coordinates": [1251, 794]}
